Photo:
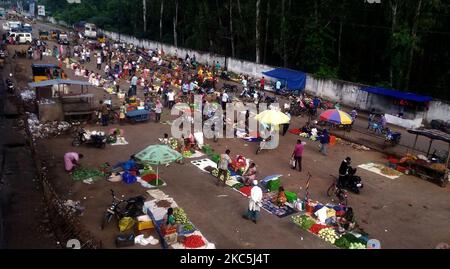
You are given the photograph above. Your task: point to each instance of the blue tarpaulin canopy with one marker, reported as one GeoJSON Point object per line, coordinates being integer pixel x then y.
{"type": "Point", "coordinates": [398, 94]}
{"type": "Point", "coordinates": [294, 80]}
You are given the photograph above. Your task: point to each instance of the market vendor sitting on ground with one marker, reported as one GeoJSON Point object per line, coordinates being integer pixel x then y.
{"type": "Point", "coordinates": [168, 220]}
{"type": "Point", "coordinates": [347, 221]}
{"type": "Point", "coordinates": [250, 175]}
{"type": "Point", "coordinates": [71, 160]}
{"type": "Point", "coordinates": [280, 200]}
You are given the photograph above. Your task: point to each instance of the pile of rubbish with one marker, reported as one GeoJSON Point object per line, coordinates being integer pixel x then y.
{"type": "Point", "coordinates": [46, 130]}
{"type": "Point", "coordinates": [28, 95]}
{"type": "Point", "coordinates": [360, 147]}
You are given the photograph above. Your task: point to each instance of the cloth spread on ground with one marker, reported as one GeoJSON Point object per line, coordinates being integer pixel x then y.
{"type": "Point", "coordinates": [204, 163]}
{"type": "Point", "coordinates": [280, 212]}
{"type": "Point", "coordinates": [197, 154]}
{"type": "Point", "coordinates": [270, 178]}
{"type": "Point", "coordinates": [246, 190]}
{"type": "Point", "coordinates": [381, 170]}
{"type": "Point", "coordinates": [295, 131]}
{"type": "Point", "coordinates": [253, 139]}
{"type": "Point", "coordinates": [120, 142]}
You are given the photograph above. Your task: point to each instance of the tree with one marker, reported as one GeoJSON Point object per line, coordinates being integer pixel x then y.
{"type": "Point", "coordinates": [175, 25]}
{"type": "Point", "coordinates": [258, 34]}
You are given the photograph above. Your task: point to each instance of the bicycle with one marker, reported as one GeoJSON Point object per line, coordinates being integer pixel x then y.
{"type": "Point", "coordinates": [339, 193]}
{"type": "Point", "coordinates": [123, 208]}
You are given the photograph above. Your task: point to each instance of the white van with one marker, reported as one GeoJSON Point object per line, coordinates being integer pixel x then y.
{"type": "Point", "coordinates": [24, 38]}
{"type": "Point", "coordinates": [90, 31]}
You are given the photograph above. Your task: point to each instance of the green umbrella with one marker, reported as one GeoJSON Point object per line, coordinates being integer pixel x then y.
{"type": "Point", "coordinates": [158, 155]}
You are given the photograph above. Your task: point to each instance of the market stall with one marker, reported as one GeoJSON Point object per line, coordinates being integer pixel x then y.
{"type": "Point", "coordinates": [59, 99]}
{"type": "Point", "coordinates": [429, 167]}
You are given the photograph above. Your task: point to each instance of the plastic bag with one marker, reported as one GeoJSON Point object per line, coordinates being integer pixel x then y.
{"type": "Point", "coordinates": [129, 178]}
{"type": "Point", "coordinates": [292, 162]}
{"type": "Point", "coordinates": [126, 223]}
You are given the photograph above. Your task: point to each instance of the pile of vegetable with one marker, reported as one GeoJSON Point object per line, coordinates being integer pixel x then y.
{"type": "Point", "coordinates": [303, 221]}
{"type": "Point", "coordinates": [348, 240]}
{"type": "Point", "coordinates": [316, 228]}
{"type": "Point", "coordinates": [329, 235]}
{"type": "Point", "coordinates": [188, 227]}
{"type": "Point", "coordinates": [173, 143]}
{"type": "Point", "coordinates": [357, 246]}
{"type": "Point", "coordinates": [180, 216]}
{"type": "Point", "coordinates": [81, 174]}
{"type": "Point", "coordinates": [187, 154]}
{"type": "Point", "coordinates": [238, 186]}
{"type": "Point", "coordinates": [194, 241]}
{"type": "Point", "coordinates": [215, 173]}
{"type": "Point", "coordinates": [390, 172]}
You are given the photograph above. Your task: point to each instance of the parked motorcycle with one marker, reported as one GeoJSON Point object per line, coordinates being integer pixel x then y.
{"type": "Point", "coordinates": [352, 182]}
{"type": "Point", "coordinates": [10, 86]}
{"type": "Point", "coordinates": [131, 207]}
{"type": "Point", "coordinates": [96, 140]}
{"type": "Point", "coordinates": [392, 138]}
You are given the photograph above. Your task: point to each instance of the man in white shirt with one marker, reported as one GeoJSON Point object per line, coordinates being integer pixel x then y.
{"type": "Point", "coordinates": [245, 82]}
{"type": "Point", "coordinates": [88, 56]}
{"type": "Point", "coordinates": [171, 99]}
{"type": "Point", "coordinates": [99, 63]}
{"type": "Point", "coordinates": [225, 98]}
{"type": "Point", "coordinates": [255, 203]}
{"type": "Point", "coordinates": [134, 81]}
{"type": "Point", "coordinates": [278, 87]}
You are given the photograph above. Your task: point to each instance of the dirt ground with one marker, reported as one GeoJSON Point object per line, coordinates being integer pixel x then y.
{"type": "Point", "coordinates": [403, 213]}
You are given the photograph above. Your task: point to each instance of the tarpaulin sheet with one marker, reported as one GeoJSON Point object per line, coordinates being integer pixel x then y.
{"type": "Point", "coordinates": [398, 94]}
{"type": "Point", "coordinates": [294, 80]}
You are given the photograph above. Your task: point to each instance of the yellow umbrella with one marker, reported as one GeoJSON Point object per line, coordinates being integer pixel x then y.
{"type": "Point", "coordinates": [272, 117]}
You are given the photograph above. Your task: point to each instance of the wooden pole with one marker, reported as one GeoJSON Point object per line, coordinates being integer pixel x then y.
{"type": "Point", "coordinates": [415, 143]}
{"type": "Point", "coordinates": [429, 148]}
{"type": "Point", "coordinates": [448, 157]}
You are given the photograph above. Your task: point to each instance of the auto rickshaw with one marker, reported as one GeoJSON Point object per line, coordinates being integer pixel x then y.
{"type": "Point", "coordinates": [55, 34]}
{"type": "Point", "coordinates": [41, 71]}
{"type": "Point", "coordinates": [101, 38]}
{"type": "Point", "coordinates": [43, 35]}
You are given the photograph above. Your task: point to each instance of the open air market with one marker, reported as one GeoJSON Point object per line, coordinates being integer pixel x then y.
{"type": "Point", "coordinates": [127, 143]}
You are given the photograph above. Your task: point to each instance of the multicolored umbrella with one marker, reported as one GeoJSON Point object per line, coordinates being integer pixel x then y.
{"type": "Point", "coordinates": [337, 117]}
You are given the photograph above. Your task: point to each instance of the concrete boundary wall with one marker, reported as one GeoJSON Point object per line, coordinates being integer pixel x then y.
{"type": "Point", "coordinates": [346, 93]}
